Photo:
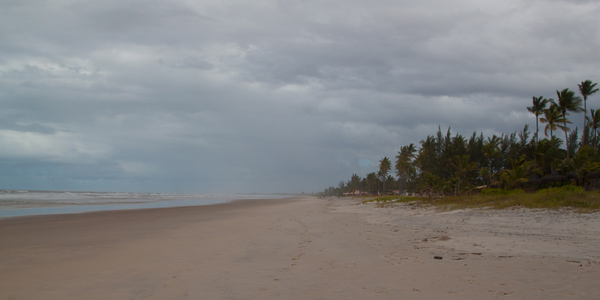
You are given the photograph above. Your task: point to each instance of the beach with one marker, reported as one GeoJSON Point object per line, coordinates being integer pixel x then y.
{"type": "Point", "coordinates": [301, 248]}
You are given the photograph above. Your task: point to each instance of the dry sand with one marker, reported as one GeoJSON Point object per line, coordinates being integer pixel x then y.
{"type": "Point", "coordinates": [303, 248]}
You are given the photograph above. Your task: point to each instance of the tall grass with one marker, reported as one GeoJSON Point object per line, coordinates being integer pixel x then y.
{"type": "Point", "coordinates": [552, 198]}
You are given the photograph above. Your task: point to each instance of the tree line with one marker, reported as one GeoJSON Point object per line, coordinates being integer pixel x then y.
{"type": "Point", "coordinates": [447, 164]}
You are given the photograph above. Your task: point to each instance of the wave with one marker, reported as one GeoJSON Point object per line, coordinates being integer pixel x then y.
{"type": "Point", "coordinates": [23, 202]}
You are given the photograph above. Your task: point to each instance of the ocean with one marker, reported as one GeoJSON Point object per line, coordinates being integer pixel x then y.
{"type": "Point", "coordinates": [14, 203]}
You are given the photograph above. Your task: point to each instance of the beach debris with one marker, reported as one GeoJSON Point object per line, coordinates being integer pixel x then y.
{"type": "Point", "coordinates": [438, 257]}
{"type": "Point", "coordinates": [466, 253]}
{"type": "Point", "coordinates": [444, 238]}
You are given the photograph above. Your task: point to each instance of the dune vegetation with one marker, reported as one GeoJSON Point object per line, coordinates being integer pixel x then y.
{"type": "Point", "coordinates": [568, 196]}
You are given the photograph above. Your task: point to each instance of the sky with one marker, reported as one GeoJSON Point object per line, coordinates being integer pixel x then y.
{"type": "Point", "coordinates": [197, 96]}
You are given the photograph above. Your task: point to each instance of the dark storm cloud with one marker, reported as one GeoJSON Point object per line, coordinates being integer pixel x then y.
{"type": "Point", "coordinates": [270, 96]}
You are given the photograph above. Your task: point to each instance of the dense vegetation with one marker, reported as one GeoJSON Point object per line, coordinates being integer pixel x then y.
{"type": "Point", "coordinates": [559, 197]}
{"type": "Point", "coordinates": [448, 164]}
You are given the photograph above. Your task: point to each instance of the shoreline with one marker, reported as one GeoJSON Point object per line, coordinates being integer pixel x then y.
{"type": "Point", "coordinates": [74, 208]}
{"type": "Point", "coordinates": [169, 210]}
{"type": "Point", "coordinates": [298, 248]}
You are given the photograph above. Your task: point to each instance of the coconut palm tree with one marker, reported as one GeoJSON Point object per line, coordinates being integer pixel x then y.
{"type": "Point", "coordinates": [462, 165]}
{"type": "Point", "coordinates": [546, 152]}
{"type": "Point", "coordinates": [553, 118]}
{"type": "Point", "coordinates": [384, 168]}
{"type": "Point", "coordinates": [539, 104]}
{"type": "Point", "coordinates": [568, 102]}
{"type": "Point", "coordinates": [584, 163]}
{"type": "Point", "coordinates": [405, 166]}
{"type": "Point", "coordinates": [593, 122]}
{"type": "Point", "coordinates": [491, 150]}
{"type": "Point", "coordinates": [586, 89]}
{"type": "Point", "coordinates": [518, 174]}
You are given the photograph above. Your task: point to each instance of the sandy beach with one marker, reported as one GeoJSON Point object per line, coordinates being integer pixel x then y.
{"type": "Point", "coordinates": [301, 248]}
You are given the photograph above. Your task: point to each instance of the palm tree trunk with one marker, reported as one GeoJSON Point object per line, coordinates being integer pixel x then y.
{"type": "Point", "coordinates": [490, 173]}
{"type": "Point", "coordinates": [585, 132]}
{"type": "Point", "coordinates": [537, 130]}
{"type": "Point", "coordinates": [457, 188]}
{"type": "Point", "coordinates": [566, 138]}
{"type": "Point", "coordinates": [585, 112]}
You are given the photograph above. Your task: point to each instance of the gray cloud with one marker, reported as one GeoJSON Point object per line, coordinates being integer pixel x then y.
{"type": "Point", "coordinates": [274, 96]}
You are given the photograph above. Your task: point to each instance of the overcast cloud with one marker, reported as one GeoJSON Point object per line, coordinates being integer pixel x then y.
{"type": "Point", "coordinates": [267, 96]}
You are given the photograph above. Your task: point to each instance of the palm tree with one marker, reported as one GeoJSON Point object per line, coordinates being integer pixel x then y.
{"type": "Point", "coordinates": [568, 102]}
{"type": "Point", "coordinates": [405, 164]}
{"type": "Point", "coordinates": [519, 173]}
{"type": "Point", "coordinates": [463, 165]}
{"type": "Point", "coordinates": [593, 122]}
{"type": "Point", "coordinates": [384, 168]}
{"type": "Point", "coordinates": [584, 163]}
{"type": "Point", "coordinates": [539, 104]}
{"type": "Point", "coordinates": [586, 89]}
{"type": "Point", "coordinates": [491, 150]}
{"type": "Point", "coordinates": [546, 152]}
{"type": "Point", "coordinates": [552, 118]}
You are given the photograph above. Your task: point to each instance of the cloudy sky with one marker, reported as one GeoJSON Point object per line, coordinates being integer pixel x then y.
{"type": "Point", "coordinates": [267, 96]}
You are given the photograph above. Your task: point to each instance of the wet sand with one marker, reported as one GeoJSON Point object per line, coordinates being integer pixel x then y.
{"type": "Point", "coordinates": [302, 248]}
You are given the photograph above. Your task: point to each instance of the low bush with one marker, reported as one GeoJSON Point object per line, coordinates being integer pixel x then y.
{"type": "Point", "coordinates": [552, 198]}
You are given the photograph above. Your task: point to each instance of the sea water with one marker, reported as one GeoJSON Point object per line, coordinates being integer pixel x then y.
{"type": "Point", "coordinates": [14, 203]}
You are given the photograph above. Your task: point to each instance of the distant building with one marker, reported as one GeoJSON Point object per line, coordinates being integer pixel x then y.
{"type": "Point", "coordinates": [355, 193]}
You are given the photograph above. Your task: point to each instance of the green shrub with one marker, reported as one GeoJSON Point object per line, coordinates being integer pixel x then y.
{"type": "Point", "coordinates": [563, 192]}
{"type": "Point", "coordinates": [501, 192]}
{"type": "Point", "coordinates": [566, 196]}
{"type": "Point", "coordinates": [390, 200]}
